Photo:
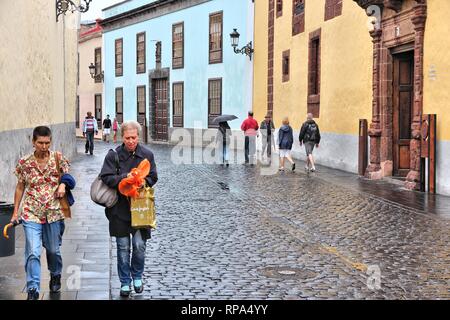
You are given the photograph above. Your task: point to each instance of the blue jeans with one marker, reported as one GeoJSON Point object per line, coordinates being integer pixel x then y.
{"type": "Point", "coordinates": [37, 235]}
{"type": "Point", "coordinates": [126, 271]}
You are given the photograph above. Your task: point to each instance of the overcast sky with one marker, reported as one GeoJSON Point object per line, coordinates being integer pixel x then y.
{"type": "Point", "coordinates": [95, 9]}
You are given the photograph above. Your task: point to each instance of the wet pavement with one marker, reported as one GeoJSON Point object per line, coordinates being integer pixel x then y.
{"type": "Point", "coordinates": [232, 233]}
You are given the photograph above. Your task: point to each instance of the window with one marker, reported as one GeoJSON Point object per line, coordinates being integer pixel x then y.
{"type": "Point", "coordinates": [77, 113]}
{"type": "Point", "coordinates": [215, 38]}
{"type": "Point", "coordinates": [279, 8]}
{"type": "Point", "coordinates": [141, 105]}
{"type": "Point", "coordinates": [333, 8]}
{"type": "Point", "coordinates": [298, 16]}
{"type": "Point", "coordinates": [119, 57]}
{"type": "Point", "coordinates": [286, 65]}
{"type": "Point", "coordinates": [178, 104]}
{"type": "Point", "coordinates": [140, 52]}
{"type": "Point", "coordinates": [98, 63]}
{"type": "Point", "coordinates": [178, 46]}
{"type": "Point", "coordinates": [98, 110]}
{"type": "Point", "coordinates": [314, 73]}
{"type": "Point", "coordinates": [119, 105]}
{"type": "Point", "coordinates": [214, 101]}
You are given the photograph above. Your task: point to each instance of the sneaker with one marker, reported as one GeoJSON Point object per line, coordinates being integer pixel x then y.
{"type": "Point", "coordinates": [293, 166]}
{"type": "Point", "coordinates": [306, 168]}
{"type": "Point", "coordinates": [281, 169]}
{"type": "Point", "coordinates": [125, 291]}
{"type": "Point", "coordinates": [33, 294]}
{"type": "Point", "coordinates": [138, 286]}
{"type": "Point", "coordinates": [55, 283]}
{"type": "Point", "coordinates": [313, 169]}
{"type": "Point", "coordinates": [86, 152]}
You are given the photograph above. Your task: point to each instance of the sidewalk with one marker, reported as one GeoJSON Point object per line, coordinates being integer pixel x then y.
{"type": "Point", "coordinates": [389, 190]}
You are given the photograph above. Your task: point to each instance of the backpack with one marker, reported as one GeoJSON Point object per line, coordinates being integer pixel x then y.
{"type": "Point", "coordinates": [311, 132]}
{"type": "Point", "coordinates": [103, 195]}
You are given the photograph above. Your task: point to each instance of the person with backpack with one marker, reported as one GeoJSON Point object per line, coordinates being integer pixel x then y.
{"type": "Point", "coordinates": [310, 136]}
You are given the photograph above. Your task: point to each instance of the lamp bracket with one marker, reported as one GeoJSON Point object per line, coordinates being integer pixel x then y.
{"type": "Point", "coordinates": [62, 6]}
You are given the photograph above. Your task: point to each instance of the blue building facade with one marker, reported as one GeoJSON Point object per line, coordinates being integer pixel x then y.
{"type": "Point", "coordinates": [170, 64]}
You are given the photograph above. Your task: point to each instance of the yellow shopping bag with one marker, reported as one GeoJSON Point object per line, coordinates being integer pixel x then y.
{"type": "Point", "coordinates": [143, 213]}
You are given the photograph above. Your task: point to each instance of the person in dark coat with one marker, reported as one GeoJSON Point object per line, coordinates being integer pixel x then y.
{"type": "Point", "coordinates": [131, 154]}
{"type": "Point", "coordinates": [223, 139]}
{"type": "Point", "coordinates": [285, 141]}
{"type": "Point", "coordinates": [267, 129]}
{"type": "Point", "coordinates": [310, 137]}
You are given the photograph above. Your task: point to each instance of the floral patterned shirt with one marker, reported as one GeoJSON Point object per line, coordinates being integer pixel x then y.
{"type": "Point", "coordinates": [39, 203]}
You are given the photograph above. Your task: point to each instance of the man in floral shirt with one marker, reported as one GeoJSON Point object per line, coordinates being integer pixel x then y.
{"type": "Point", "coordinates": [37, 205]}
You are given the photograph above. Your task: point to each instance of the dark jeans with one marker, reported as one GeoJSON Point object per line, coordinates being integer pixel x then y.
{"type": "Point", "coordinates": [89, 142]}
{"type": "Point", "coordinates": [250, 148]}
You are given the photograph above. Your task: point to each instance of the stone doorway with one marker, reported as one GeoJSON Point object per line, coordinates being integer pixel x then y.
{"type": "Point", "coordinates": [399, 27]}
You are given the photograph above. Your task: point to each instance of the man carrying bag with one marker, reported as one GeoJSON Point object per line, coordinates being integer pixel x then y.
{"type": "Point", "coordinates": [131, 154]}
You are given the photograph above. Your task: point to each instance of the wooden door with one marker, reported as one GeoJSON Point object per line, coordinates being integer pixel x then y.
{"type": "Point", "coordinates": [161, 106]}
{"type": "Point", "coordinates": [403, 101]}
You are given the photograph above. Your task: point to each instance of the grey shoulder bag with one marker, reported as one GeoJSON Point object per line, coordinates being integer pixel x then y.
{"type": "Point", "coordinates": [103, 195]}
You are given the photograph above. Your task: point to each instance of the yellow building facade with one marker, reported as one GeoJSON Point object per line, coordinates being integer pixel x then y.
{"type": "Point", "coordinates": [38, 71]}
{"type": "Point", "coordinates": [346, 60]}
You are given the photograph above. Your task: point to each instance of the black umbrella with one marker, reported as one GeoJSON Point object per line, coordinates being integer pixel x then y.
{"type": "Point", "coordinates": [223, 118]}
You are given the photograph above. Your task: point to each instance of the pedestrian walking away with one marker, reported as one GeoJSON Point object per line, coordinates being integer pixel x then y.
{"type": "Point", "coordinates": [267, 129]}
{"type": "Point", "coordinates": [115, 127]}
{"type": "Point", "coordinates": [285, 141]}
{"type": "Point", "coordinates": [37, 206]}
{"type": "Point", "coordinates": [106, 128]}
{"type": "Point", "coordinates": [223, 142]}
{"type": "Point", "coordinates": [310, 137]}
{"type": "Point", "coordinates": [90, 128]}
{"type": "Point", "coordinates": [130, 153]}
{"type": "Point", "coordinates": [250, 127]}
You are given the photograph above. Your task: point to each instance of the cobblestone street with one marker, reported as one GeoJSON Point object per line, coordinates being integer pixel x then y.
{"type": "Point", "coordinates": [231, 233]}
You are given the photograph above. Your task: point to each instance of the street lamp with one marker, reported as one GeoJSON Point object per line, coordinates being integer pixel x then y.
{"type": "Point", "coordinates": [99, 76]}
{"type": "Point", "coordinates": [62, 6]}
{"type": "Point", "coordinates": [247, 50]}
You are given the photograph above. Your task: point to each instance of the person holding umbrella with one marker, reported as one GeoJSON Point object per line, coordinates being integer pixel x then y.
{"type": "Point", "coordinates": [224, 136]}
